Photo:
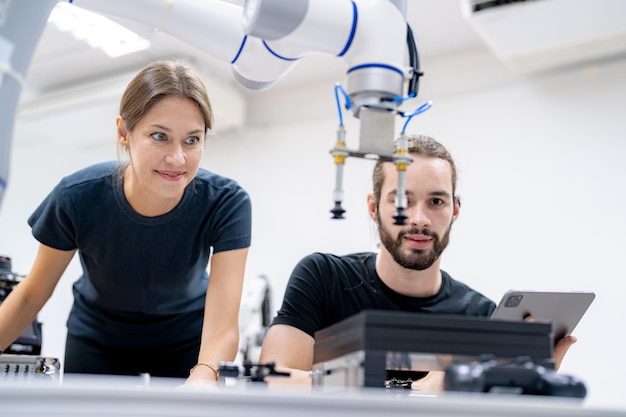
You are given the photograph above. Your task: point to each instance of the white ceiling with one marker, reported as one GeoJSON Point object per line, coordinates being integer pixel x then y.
{"type": "Point", "coordinates": [60, 61]}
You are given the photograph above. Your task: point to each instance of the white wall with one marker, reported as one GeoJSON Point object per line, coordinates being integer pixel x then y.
{"type": "Point", "coordinates": [541, 176]}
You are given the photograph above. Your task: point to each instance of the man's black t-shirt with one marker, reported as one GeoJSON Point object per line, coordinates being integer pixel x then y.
{"type": "Point", "coordinates": [324, 289]}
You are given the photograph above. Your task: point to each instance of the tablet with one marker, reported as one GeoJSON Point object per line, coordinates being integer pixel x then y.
{"type": "Point", "coordinates": [563, 309]}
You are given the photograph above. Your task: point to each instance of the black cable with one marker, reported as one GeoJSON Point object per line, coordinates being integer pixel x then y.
{"type": "Point", "coordinates": [414, 62]}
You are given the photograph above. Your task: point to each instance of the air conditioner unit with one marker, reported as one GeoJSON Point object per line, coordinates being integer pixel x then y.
{"type": "Point", "coordinates": [536, 35]}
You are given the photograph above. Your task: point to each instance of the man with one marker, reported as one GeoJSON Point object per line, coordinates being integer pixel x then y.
{"type": "Point", "coordinates": [404, 275]}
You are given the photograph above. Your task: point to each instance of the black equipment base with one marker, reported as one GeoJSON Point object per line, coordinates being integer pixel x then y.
{"type": "Point", "coordinates": [379, 341]}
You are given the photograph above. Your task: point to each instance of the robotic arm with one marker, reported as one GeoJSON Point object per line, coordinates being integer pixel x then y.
{"type": "Point", "coordinates": [16, 49]}
{"type": "Point", "coordinates": [263, 39]}
{"type": "Point", "coordinates": [369, 36]}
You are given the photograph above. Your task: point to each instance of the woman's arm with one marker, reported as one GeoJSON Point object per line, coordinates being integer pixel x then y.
{"type": "Point", "coordinates": [220, 331]}
{"type": "Point", "coordinates": [21, 306]}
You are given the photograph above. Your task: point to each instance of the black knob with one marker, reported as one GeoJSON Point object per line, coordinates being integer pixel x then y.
{"type": "Point", "coordinates": [400, 218]}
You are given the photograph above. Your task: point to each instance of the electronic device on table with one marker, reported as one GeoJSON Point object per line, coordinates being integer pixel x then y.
{"type": "Point", "coordinates": [29, 341]}
{"type": "Point", "coordinates": [520, 376]}
{"type": "Point", "coordinates": [28, 367]}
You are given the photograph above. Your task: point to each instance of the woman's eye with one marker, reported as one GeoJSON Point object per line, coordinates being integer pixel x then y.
{"type": "Point", "coordinates": [159, 136]}
{"type": "Point", "coordinates": [192, 140]}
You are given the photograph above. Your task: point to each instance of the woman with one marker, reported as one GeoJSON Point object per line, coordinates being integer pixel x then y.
{"type": "Point", "coordinates": [145, 231]}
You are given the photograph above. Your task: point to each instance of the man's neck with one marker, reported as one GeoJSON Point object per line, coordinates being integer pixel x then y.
{"type": "Point", "coordinates": [405, 281]}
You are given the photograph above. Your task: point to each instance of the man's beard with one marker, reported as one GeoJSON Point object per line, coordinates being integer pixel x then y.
{"type": "Point", "coordinates": [416, 259]}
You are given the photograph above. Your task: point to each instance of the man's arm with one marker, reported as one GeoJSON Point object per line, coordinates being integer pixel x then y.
{"type": "Point", "coordinates": [291, 350]}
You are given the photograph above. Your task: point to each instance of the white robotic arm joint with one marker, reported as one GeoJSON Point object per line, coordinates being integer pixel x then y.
{"type": "Point", "coordinates": [263, 39]}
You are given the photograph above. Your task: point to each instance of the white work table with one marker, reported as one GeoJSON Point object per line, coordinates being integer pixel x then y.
{"type": "Point", "coordinates": [130, 397]}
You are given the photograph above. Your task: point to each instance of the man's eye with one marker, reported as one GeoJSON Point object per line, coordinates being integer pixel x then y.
{"type": "Point", "coordinates": [159, 136]}
{"type": "Point", "coordinates": [437, 201]}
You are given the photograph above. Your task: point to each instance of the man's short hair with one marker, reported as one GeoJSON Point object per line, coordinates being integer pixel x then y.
{"type": "Point", "coordinates": [422, 145]}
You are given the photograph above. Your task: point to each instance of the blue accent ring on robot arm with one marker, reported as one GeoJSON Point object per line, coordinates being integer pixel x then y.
{"type": "Point", "coordinates": [375, 65]}
{"type": "Point", "coordinates": [355, 19]}
{"type": "Point", "coordinates": [276, 55]}
{"type": "Point", "coordinates": [243, 43]}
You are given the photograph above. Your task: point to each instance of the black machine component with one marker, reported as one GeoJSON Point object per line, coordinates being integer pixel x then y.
{"type": "Point", "coordinates": [395, 383]}
{"type": "Point", "coordinates": [520, 376]}
{"type": "Point", "coordinates": [375, 346]}
{"type": "Point", "coordinates": [248, 371]}
{"type": "Point", "coordinates": [29, 342]}
{"type": "Point", "coordinates": [29, 367]}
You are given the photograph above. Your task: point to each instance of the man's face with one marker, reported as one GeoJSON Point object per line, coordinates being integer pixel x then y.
{"type": "Point", "coordinates": [430, 211]}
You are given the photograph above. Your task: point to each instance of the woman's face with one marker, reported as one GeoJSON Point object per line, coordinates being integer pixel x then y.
{"type": "Point", "coordinates": [165, 150]}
